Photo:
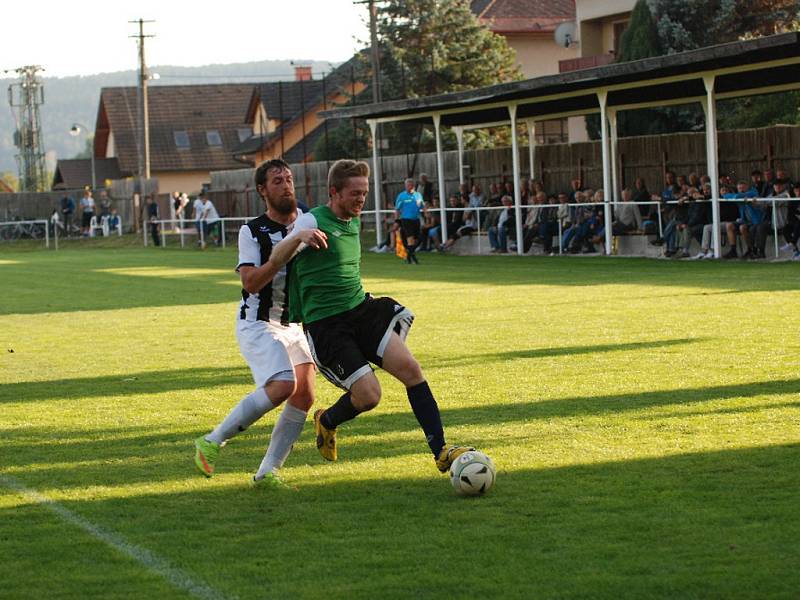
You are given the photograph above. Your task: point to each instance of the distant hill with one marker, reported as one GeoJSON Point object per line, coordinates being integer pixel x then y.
{"type": "Point", "coordinates": [74, 99]}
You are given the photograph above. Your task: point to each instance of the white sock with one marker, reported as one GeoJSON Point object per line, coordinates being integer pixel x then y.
{"type": "Point", "coordinates": [284, 435]}
{"type": "Point", "coordinates": [249, 410]}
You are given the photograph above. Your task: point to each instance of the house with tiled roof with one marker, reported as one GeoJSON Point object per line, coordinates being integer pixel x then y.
{"type": "Point", "coordinates": [528, 26]}
{"type": "Point", "coordinates": [194, 130]}
{"type": "Point", "coordinates": [283, 114]}
{"type": "Point", "coordinates": [76, 173]}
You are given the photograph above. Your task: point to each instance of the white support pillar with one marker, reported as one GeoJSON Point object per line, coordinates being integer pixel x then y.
{"type": "Point", "coordinates": [602, 97]}
{"type": "Point", "coordinates": [512, 112]}
{"type": "Point", "coordinates": [531, 148]}
{"type": "Point", "coordinates": [612, 124]}
{"type": "Point", "coordinates": [460, 139]}
{"type": "Point", "coordinates": [437, 126]}
{"type": "Point", "coordinates": [376, 182]}
{"type": "Point", "coordinates": [712, 153]}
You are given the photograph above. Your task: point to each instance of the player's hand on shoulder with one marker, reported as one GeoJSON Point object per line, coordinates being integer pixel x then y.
{"type": "Point", "coordinates": [314, 238]}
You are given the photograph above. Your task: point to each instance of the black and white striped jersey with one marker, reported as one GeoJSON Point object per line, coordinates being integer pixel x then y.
{"type": "Point", "coordinates": [256, 240]}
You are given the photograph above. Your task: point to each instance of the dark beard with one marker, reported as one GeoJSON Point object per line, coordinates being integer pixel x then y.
{"type": "Point", "coordinates": [283, 205]}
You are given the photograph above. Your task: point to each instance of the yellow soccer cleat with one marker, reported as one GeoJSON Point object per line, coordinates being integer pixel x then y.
{"type": "Point", "coordinates": [448, 454]}
{"type": "Point", "coordinates": [205, 455]}
{"type": "Point", "coordinates": [326, 438]}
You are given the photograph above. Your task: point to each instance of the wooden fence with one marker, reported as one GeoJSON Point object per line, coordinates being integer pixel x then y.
{"type": "Point", "coordinates": [556, 165]}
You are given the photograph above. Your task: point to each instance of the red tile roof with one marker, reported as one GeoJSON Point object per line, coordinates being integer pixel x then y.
{"type": "Point", "coordinates": [524, 16]}
{"type": "Point", "coordinates": [194, 109]}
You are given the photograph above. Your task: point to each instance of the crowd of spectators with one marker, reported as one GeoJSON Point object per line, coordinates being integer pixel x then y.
{"type": "Point", "coordinates": [674, 215]}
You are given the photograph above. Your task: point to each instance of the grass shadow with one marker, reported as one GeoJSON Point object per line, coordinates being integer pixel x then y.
{"type": "Point", "coordinates": [553, 352]}
{"type": "Point", "coordinates": [128, 384]}
{"type": "Point", "coordinates": [721, 524]}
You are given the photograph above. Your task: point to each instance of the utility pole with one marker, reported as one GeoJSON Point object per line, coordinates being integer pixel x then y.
{"type": "Point", "coordinates": [144, 117]}
{"type": "Point", "coordinates": [375, 55]}
{"type": "Point", "coordinates": [375, 51]}
{"type": "Point", "coordinates": [25, 97]}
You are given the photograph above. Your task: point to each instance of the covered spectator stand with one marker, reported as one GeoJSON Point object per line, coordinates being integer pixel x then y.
{"type": "Point", "coordinates": [747, 68]}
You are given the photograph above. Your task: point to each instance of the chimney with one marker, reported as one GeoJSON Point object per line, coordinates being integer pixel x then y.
{"type": "Point", "coordinates": [302, 73]}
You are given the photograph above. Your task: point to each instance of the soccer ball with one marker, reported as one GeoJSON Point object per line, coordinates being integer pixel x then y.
{"type": "Point", "coordinates": [472, 473]}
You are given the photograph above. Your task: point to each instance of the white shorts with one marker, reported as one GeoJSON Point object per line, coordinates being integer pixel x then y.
{"type": "Point", "coordinates": [272, 350]}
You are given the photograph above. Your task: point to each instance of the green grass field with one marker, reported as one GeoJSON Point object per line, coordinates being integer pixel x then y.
{"type": "Point", "coordinates": [644, 417]}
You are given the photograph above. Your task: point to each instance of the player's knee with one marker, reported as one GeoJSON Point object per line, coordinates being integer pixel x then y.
{"type": "Point", "coordinates": [366, 396]}
{"type": "Point", "coordinates": [303, 397]}
{"type": "Point", "coordinates": [411, 372]}
{"type": "Point", "coordinates": [278, 391]}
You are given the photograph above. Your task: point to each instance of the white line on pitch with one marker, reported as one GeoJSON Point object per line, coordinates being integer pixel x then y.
{"type": "Point", "coordinates": [150, 561]}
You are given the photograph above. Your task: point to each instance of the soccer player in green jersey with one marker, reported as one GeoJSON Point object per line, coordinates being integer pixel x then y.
{"type": "Point", "coordinates": [347, 329]}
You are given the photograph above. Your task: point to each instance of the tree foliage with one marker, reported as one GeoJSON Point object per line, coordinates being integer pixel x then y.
{"type": "Point", "coordinates": [690, 24]}
{"type": "Point", "coordinates": [640, 39]}
{"type": "Point", "coordinates": [343, 142]}
{"type": "Point", "coordinates": [431, 47]}
{"type": "Point", "coordinates": [440, 46]}
{"type": "Point", "coordinates": [660, 27]}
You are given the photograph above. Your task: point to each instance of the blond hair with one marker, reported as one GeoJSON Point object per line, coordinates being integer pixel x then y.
{"type": "Point", "coordinates": [344, 169]}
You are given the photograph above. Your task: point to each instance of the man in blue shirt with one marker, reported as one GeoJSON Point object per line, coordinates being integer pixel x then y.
{"type": "Point", "coordinates": [750, 216]}
{"type": "Point", "coordinates": [408, 207]}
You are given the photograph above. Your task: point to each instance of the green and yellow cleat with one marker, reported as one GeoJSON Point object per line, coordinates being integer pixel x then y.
{"type": "Point", "coordinates": [326, 438]}
{"type": "Point", "coordinates": [205, 455]}
{"type": "Point", "coordinates": [272, 481]}
{"type": "Point", "coordinates": [448, 454]}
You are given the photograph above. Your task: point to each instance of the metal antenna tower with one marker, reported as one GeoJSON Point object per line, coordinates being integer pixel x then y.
{"type": "Point", "coordinates": [25, 97]}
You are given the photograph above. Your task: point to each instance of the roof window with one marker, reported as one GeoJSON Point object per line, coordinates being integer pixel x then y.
{"type": "Point", "coordinates": [181, 139]}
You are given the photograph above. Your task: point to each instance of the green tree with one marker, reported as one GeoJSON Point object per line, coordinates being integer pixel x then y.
{"type": "Point", "coordinates": [640, 39]}
{"type": "Point", "coordinates": [691, 24]}
{"type": "Point", "coordinates": [439, 46]}
{"type": "Point", "coordinates": [343, 142]}
{"type": "Point", "coordinates": [431, 47]}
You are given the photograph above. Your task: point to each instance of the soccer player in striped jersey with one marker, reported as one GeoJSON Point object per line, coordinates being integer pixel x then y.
{"type": "Point", "coordinates": [275, 349]}
{"type": "Point", "coordinates": [348, 329]}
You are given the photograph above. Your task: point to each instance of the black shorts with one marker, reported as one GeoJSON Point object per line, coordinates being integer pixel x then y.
{"type": "Point", "coordinates": [343, 345]}
{"type": "Point", "coordinates": [410, 228]}
{"type": "Point", "coordinates": [86, 219]}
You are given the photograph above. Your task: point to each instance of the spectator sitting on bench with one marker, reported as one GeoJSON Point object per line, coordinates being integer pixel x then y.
{"type": "Point", "coordinates": [431, 227]}
{"type": "Point", "coordinates": [776, 212]}
{"type": "Point", "coordinates": [495, 196]}
{"type": "Point", "coordinates": [627, 216]}
{"type": "Point", "coordinates": [499, 233]}
{"type": "Point", "coordinates": [113, 220]}
{"type": "Point", "coordinates": [574, 221]}
{"type": "Point", "coordinates": [699, 216]}
{"type": "Point", "coordinates": [531, 228]}
{"type": "Point", "coordinates": [596, 230]}
{"type": "Point", "coordinates": [750, 216]}
{"type": "Point", "coordinates": [678, 222]}
{"type": "Point", "coordinates": [455, 220]}
{"type": "Point", "coordinates": [728, 213]}
{"type": "Point", "coordinates": [792, 230]}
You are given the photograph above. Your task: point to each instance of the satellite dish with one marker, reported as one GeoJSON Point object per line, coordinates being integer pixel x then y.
{"type": "Point", "coordinates": [565, 34]}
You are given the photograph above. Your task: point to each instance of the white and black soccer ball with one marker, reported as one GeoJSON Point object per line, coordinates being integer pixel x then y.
{"type": "Point", "coordinates": [472, 473]}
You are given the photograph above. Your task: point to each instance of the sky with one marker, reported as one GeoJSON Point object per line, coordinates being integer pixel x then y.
{"type": "Point", "coordinates": [83, 37]}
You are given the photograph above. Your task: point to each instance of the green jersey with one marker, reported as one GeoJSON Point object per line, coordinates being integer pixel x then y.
{"type": "Point", "coordinates": [326, 282]}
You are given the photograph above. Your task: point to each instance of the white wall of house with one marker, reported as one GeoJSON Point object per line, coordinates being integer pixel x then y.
{"type": "Point", "coordinates": [111, 151]}
{"type": "Point", "coordinates": [538, 54]}
{"type": "Point", "coordinates": [190, 182]}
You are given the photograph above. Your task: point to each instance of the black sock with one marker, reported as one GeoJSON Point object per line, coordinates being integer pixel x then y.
{"type": "Point", "coordinates": [427, 412]}
{"type": "Point", "coordinates": [341, 412]}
